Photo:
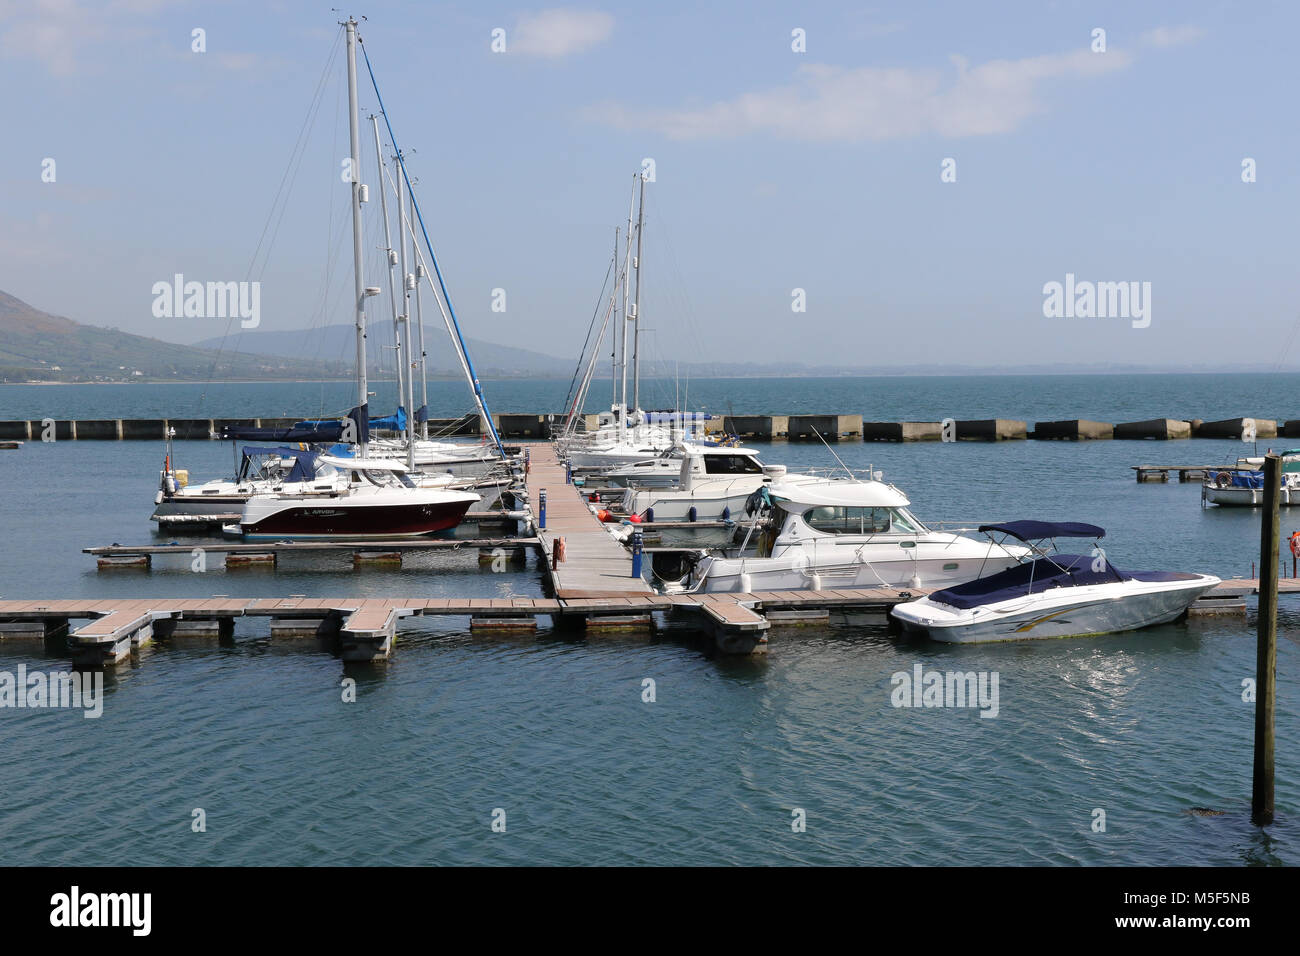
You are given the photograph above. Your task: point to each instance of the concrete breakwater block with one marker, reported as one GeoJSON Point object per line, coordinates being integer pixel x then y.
{"type": "Point", "coordinates": [523, 426]}
{"type": "Point", "coordinates": [1158, 429]}
{"type": "Point", "coordinates": [58, 430]}
{"type": "Point", "coordinates": [830, 427]}
{"type": "Point", "coordinates": [757, 426]}
{"type": "Point", "coordinates": [902, 431]}
{"type": "Point", "coordinates": [109, 429]}
{"type": "Point", "coordinates": [150, 429]}
{"type": "Point", "coordinates": [19, 431]}
{"type": "Point", "coordinates": [191, 428]}
{"type": "Point", "coordinates": [991, 429]}
{"type": "Point", "coordinates": [1291, 429]}
{"type": "Point", "coordinates": [1072, 429]}
{"type": "Point", "coordinates": [1235, 428]}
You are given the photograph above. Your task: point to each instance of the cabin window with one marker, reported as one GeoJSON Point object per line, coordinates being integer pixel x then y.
{"type": "Point", "coordinates": [836, 520]}
{"type": "Point", "coordinates": [731, 465]}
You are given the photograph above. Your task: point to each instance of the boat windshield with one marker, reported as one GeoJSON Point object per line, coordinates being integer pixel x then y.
{"type": "Point", "coordinates": [731, 465]}
{"type": "Point", "coordinates": [839, 520]}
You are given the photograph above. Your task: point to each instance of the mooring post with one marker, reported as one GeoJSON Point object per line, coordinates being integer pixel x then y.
{"type": "Point", "coordinates": [541, 508]}
{"type": "Point", "coordinates": [1261, 800]}
{"type": "Point", "coordinates": [636, 553]}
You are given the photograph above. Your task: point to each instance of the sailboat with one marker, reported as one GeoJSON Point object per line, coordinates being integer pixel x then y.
{"type": "Point", "coordinates": [457, 458]}
{"type": "Point", "coordinates": [625, 434]}
{"type": "Point", "coordinates": [379, 499]}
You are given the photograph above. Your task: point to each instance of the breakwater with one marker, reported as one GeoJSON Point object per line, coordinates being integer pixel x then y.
{"type": "Point", "coordinates": [832, 427]}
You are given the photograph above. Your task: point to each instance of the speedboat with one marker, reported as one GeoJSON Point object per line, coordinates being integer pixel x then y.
{"type": "Point", "coordinates": [825, 533]}
{"type": "Point", "coordinates": [379, 501]}
{"type": "Point", "coordinates": [1243, 486]}
{"type": "Point", "coordinates": [713, 483]}
{"type": "Point", "coordinates": [1052, 595]}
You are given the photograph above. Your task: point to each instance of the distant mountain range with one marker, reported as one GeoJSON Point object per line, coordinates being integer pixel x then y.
{"type": "Point", "coordinates": [490, 360]}
{"type": "Point", "coordinates": [37, 346]}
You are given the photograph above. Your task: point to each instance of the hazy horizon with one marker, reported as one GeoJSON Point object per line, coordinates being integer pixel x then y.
{"type": "Point", "coordinates": [776, 170]}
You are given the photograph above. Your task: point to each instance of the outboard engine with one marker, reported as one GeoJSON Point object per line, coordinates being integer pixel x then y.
{"type": "Point", "coordinates": [672, 568]}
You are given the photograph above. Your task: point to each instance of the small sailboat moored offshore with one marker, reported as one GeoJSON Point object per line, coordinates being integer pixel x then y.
{"type": "Point", "coordinates": [1053, 595]}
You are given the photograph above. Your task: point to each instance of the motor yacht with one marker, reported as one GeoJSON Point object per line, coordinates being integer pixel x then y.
{"type": "Point", "coordinates": [819, 533]}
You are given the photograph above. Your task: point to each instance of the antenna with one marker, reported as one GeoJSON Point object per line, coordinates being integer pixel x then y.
{"type": "Point", "coordinates": [847, 471]}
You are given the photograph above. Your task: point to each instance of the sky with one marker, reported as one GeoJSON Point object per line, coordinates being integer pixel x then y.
{"type": "Point", "coordinates": [796, 146]}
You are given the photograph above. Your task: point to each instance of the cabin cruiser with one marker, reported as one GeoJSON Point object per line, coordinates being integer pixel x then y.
{"type": "Point", "coordinates": [1243, 486]}
{"type": "Point", "coordinates": [283, 470]}
{"type": "Point", "coordinates": [1052, 595]}
{"type": "Point", "coordinates": [842, 533]}
{"type": "Point", "coordinates": [713, 483]}
{"type": "Point", "coordinates": [379, 501]}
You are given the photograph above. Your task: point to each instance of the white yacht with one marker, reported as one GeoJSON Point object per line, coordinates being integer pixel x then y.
{"type": "Point", "coordinates": [1243, 486]}
{"type": "Point", "coordinates": [614, 445]}
{"type": "Point", "coordinates": [378, 501]}
{"type": "Point", "coordinates": [283, 470]}
{"type": "Point", "coordinates": [1055, 595]}
{"type": "Point", "coordinates": [823, 533]}
{"type": "Point", "coordinates": [713, 483]}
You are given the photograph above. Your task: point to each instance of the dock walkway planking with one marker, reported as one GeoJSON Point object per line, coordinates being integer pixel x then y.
{"type": "Point", "coordinates": [594, 565]}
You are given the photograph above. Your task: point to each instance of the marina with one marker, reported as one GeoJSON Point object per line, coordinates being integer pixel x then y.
{"type": "Point", "coordinates": [616, 502]}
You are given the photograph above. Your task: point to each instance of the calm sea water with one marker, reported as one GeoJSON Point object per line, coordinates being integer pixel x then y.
{"type": "Point", "coordinates": [553, 729]}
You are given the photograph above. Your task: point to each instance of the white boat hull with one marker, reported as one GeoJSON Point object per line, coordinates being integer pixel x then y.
{"type": "Point", "coordinates": [1058, 612]}
{"type": "Point", "coordinates": [1246, 497]}
{"type": "Point", "coordinates": [889, 565]}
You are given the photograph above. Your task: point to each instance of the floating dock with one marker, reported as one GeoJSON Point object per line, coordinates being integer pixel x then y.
{"type": "Point", "coordinates": [365, 628]}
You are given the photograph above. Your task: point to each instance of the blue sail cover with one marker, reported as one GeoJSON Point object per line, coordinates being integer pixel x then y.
{"type": "Point", "coordinates": [304, 466]}
{"type": "Point", "coordinates": [422, 413]}
{"type": "Point", "coordinates": [1038, 530]}
{"type": "Point", "coordinates": [308, 430]}
{"type": "Point", "coordinates": [1248, 479]}
{"type": "Point", "coordinates": [396, 422]}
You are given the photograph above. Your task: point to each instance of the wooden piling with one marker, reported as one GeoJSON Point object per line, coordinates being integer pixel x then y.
{"type": "Point", "coordinates": [1261, 800]}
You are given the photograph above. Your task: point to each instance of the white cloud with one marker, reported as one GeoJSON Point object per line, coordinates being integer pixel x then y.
{"type": "Point", "coordinates": [831, 103]}
{"type": "Point", "coordinates": [1173, 36]}
{"type": "Point", "coordinates": [64, 35]}
{"type": "Point", "coordinates": [560, 32]}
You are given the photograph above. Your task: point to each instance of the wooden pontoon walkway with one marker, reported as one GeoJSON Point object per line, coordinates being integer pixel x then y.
{"type": "Point", "coordinates": [367, 626]}
{"type": "Point", "coordinates": [594, 565]}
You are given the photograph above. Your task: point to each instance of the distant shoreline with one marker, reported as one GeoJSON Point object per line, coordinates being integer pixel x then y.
{"type": "Point", "coordinates": [746, 376]}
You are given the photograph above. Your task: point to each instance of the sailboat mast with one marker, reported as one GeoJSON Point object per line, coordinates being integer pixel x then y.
{"type": "Point", "coordinates": [627, 262]}
{"type": "Point", "coordinates": [405, 317]}
{"type": "Point", "coordinates": [636, 303]}
{"type": "Point", "coordinates": [390, 254]}
{"type": "Point", "coordinates": [419, 324]}
{"type": "Point", "coordinates": [358, 281]}
{"type": "Point", "coordinates": [613, 340]}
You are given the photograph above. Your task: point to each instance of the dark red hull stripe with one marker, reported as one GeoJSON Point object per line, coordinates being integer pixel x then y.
{"type": "Point", "coordinates": [343, 521]}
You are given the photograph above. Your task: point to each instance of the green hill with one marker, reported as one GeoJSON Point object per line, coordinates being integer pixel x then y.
{"type": "Point", "coordinates": [38, 346]}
